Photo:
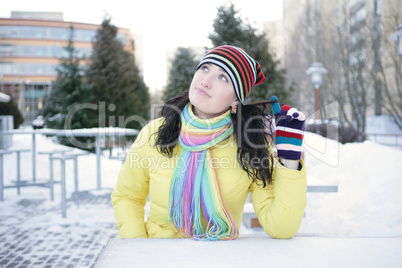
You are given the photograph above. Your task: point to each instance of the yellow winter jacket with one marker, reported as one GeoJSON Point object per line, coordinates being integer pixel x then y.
{"type": "Point", "coordinates": [279, 207]}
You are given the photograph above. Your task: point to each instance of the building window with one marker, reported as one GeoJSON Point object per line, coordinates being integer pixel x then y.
{"type": "Point", "coordinates": [46, 51]}
{"type": "Point", "coordinates": [39, 32]}
{"type": "Point", "coordinates": [28, 69]}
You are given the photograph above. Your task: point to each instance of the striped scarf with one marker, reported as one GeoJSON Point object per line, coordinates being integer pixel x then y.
{"type": "Point", "coordinates": [195, 186]}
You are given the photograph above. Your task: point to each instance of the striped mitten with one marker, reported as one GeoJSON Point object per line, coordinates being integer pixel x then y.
{"type": "Point", "coordinates": [289, 130]}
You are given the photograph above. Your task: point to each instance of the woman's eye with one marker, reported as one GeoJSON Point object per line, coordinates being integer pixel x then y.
{"type": "Point", "coordinates": [223, 78]}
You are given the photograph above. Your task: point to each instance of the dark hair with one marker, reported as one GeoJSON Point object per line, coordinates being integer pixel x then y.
{"type": "Point", "coordinates": [253, 147]}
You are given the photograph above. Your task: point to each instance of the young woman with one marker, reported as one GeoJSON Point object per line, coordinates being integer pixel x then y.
{"type": "Point", "coordinates": [207, 152]}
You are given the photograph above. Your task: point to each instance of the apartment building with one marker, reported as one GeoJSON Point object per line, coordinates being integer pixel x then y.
{"type": "Point", "coordinates": [31, 44]}
{"type": "Point", "coordinates": [313, 30]}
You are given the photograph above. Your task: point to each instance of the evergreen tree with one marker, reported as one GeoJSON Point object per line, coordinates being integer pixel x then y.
{"type": "Point", "coordinates": [67, 92]}
{"type": "Point", "coordinates": [181, 73]}
{"type": "Point", "coordinates": [115, 81]}
{"type": "Point", "coordinates": [230, 29]}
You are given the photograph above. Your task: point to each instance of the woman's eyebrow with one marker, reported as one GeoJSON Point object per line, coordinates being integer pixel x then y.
{"type": "Point", "coordinates": [222, 70]}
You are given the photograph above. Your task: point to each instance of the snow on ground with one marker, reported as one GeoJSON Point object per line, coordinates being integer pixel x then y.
{"type": "Point", "coordinates": [87, 174]}
{"type": "Point", "coordinates": [368, 175]}
{"type": "Point", "coordinates": [369, 197]}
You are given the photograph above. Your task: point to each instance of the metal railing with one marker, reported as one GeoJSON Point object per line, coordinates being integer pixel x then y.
{"type": "Point", "coordinates": [392, 140]}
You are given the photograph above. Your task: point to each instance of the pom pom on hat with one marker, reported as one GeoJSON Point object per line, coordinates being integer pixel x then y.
{"type": "Point", "coordinates": [244, 71]}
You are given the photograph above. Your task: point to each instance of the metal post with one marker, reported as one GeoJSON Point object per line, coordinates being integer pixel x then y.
{"type": "Point", "coordinates": [18, 173]}
{"type": "Point", "coordinates": [317, 102]}
{"type": "Point", "coordinates": [98, 162]}
{"type": "Point", "coordinates": [63, 187]}
{"type": "Point", "coordinates": [1, 177]}
{"type": "Point", "coordinates": [51, 179]}
{"type": "Point", "coordinates": [33, 157]}
{"type": "Point", "coordinates": [75, 174]}
{"type": "Point", "coordinates": [2, 152]}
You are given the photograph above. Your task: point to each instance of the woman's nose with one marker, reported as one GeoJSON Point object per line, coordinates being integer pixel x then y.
{"type": "Point", "coordinates": [206, 81]}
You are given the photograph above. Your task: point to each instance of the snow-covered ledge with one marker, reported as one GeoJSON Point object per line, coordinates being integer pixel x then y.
{"type": "Point", "coordinates": [254, 251]}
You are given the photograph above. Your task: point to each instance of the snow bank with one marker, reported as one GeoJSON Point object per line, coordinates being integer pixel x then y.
{"type": "Point", "coordinates": [369, 198]}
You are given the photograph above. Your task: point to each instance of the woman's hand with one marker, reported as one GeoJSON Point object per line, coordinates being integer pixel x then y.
{"type": "Point", "coordinates": [289, 130]}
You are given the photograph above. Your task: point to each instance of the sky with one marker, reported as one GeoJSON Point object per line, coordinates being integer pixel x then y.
{"type": "Point", "coordinates": [163, 24]}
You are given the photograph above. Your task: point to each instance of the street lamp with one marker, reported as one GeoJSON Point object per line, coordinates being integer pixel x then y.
{"type": "Point", "coordinates": [316, 70]}
{"type": "Point", "coordinates": [397, 36]}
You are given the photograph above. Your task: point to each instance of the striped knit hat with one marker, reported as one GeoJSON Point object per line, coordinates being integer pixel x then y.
{"type": "Point", "coordinates": [243, 70]}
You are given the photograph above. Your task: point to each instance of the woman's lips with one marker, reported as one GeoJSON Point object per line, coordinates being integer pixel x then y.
{"type": "Point", "coordinates": [202, 92]}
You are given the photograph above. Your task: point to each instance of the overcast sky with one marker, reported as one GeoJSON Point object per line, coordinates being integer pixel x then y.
{"type": "Point", "coordinates": [163, 24]}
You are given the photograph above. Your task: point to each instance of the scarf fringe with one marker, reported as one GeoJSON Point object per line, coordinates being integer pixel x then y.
{"type": "Point", "coordinates": [220, 230]}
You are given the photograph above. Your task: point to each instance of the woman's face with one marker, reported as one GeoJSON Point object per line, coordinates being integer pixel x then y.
{"type": "Point", "coordinates": [211, 91]}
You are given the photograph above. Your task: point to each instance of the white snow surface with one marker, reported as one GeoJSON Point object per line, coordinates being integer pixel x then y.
{"type": "Point", "coordinates": [369, 197]}
{"type": "Point", "coordinates": [368, 175]}
{"type": "Point", "coordinates": [298, 252]}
